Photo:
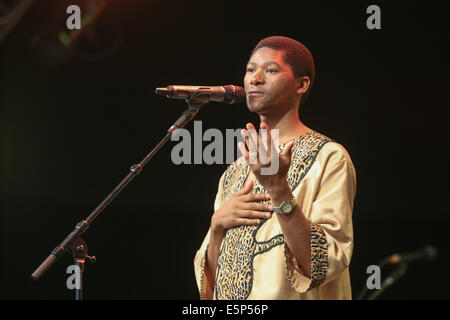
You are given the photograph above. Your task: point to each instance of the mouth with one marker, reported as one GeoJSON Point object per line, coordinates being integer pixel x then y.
{"type": "Point", "coordinates": [255, 93]}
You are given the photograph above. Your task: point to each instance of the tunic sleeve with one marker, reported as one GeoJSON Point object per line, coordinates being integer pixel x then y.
{"type": "Point", "coordinates": [330, 223]}
{"type": "Point", "coordinates": [200, 256]}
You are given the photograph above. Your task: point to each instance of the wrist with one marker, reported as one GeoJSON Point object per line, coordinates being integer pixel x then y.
{"type": "Point", "coordinates": [216, 229]}
{"type": "Point", "coordinates": [286, 207]}
{"type": "Point", "coordinates": [280, 193]}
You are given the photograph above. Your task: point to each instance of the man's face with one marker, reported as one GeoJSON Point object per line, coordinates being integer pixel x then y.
{"type": "Point", "coordinates": [270, 84]}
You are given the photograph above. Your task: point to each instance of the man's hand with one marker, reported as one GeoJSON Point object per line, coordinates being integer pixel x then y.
{"type": "Point", "coordinates": [243, 208]}
{"type": "Point", "coordinates": [260, 153]}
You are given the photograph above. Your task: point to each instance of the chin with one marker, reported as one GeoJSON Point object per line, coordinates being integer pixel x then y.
{"type": "Point", "coordinates": [257, 107]}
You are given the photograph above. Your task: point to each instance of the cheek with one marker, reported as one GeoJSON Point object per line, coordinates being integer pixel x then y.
{"type": "Point", "coordinates": [284, 87]}
{"type": "Point", "coordinates": [246, 80]}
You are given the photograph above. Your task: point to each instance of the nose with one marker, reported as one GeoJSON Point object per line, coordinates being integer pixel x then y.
{"type": "Point", "coordinates": [257, 79]}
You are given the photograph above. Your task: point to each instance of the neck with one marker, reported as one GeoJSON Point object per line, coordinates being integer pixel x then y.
{"type": "Point", "coordinates": [289, 125]}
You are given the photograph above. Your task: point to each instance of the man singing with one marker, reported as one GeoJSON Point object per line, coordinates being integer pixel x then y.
{"type": "Point", "coordinates": [287, 234]}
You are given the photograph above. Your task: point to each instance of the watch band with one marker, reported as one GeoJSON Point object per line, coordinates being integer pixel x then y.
{"type": "Point", "coordinates": [285, 207]}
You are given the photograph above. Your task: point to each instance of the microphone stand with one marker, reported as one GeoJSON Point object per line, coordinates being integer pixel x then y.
{"type": "Point", "coordinates": [73, 243]}
{"type": "Point", "coordinates": [389, 281]}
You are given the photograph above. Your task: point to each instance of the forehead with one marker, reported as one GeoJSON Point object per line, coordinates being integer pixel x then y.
{"type": "Point", "coordinates": [264, 55]}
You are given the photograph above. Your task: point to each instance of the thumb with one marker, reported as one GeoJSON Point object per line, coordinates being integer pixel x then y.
{"type": "Point", "coordinates": [246, 188]}
{"type": "Point", "coordinates": [287, 152]}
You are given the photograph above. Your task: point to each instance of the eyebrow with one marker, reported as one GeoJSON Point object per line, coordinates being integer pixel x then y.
{"type": "Point", "coordinates": [265, 64]}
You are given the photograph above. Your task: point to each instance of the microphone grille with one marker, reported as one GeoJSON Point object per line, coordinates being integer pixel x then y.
{"type": "Point", "coordinates": [234, 94]}
{"type": "Point", "coordinates": [431, 252]}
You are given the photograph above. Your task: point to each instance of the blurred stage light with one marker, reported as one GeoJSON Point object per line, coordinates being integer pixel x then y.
{"type": "Point", "coordinates": [97, 39]}
{"type": "Point", "coordinates": [11, 11]}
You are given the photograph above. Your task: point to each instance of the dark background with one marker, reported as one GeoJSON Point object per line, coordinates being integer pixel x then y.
{"type": "Point", "coordinates": [73, 121]}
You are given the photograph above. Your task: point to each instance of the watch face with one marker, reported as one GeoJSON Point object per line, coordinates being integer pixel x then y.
{"type": "Point", "coordinates": [286, 207]}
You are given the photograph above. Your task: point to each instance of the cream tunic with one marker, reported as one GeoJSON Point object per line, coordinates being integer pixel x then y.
{"type": "Point", "coordinates": [255, 262]}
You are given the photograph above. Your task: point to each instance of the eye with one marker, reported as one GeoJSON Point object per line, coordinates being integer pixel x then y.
{"type": "Point", "coordinates": [250, 69]}
{"type": "Point", "coordinates": [271, 71]}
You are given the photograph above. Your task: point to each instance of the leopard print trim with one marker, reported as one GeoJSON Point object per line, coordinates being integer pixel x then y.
{"type": "Point", "coordinates": [234, 277]}
{"type": "Point", "coordinates": [319, 259]}
{"type": "Point", "coordinates": [319, 255]}
{"type": "Point", "coordinates": [202, 273]}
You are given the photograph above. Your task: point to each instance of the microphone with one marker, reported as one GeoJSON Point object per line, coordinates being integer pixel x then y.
{"type": "Point", "coordinates": [427, 253]}
{"type": "Point", "coordinates": [227, 94]}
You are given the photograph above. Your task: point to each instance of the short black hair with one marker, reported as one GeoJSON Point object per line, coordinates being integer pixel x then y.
{"type": "Point", "coordinates": [295, 54]}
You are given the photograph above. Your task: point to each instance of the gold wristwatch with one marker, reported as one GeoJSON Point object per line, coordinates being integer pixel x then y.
{"type": "Point", "coordinates": [285, 207]}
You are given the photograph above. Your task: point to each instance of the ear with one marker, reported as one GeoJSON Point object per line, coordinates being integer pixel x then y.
{"type": "Point", "coordinates": [303, 84]}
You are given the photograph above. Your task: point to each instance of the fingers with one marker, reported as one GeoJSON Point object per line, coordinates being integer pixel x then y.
{"type": "Point", "coordinates": [252, 209]}
{"type": "Point", "coordinates": [266, 137]}
{"type": "Point", "coordinates": [259, 146]}
{"type": "Point", "coordinates": [244, 151]}
{"type": "Point", "coordinates": [251, 138]}
{"type": "Point", "coordinates": [287, 152]}
{"type": "Point", "coordinates": [247, 218]}
{"type": "Point", "coordinates": [255, 206]}
{"type": "Point", "coordinates": [255, 197]}
{"type": "Point", "coordinates": [249, 149]}
{"type": "Point", "coordinates": [253, 214]}
{"type": "Point", "coordinates": [252, 217]}
{"type": "Point", "coordinates": [249, 214]}
{"type": "Point", "coordinates": [288, 149]}
{"type": "Point", "coordinates": [243, 209]}
{"type": "Point", "coordinates": [247, 222]}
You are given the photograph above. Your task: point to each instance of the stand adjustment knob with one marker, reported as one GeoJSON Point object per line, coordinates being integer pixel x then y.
{"type": "Point", "coordinates": [91, 259]}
